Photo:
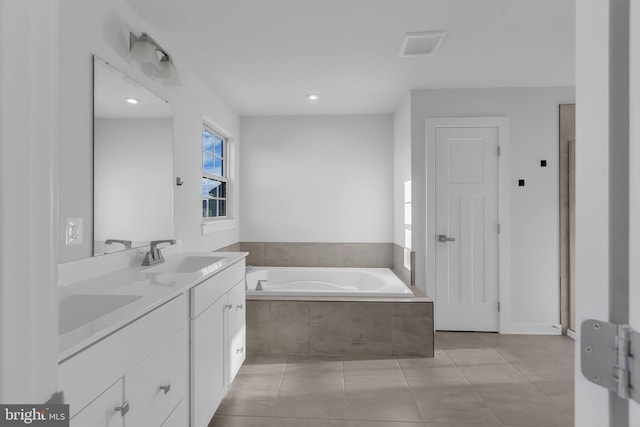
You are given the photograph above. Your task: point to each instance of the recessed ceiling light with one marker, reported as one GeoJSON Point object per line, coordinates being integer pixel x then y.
{"type": "Point", "coordinates": [132, 101]}
{"type": "Point", "coordinates": [311, 97]}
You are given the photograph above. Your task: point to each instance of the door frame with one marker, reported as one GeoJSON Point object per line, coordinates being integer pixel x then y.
{"type": "Point", "coordinates": [504, 265]}
{"type": "Point", "coordinates": [634, 180]}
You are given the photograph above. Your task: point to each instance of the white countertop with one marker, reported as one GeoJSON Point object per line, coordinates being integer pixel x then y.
{"type": "Point", "coordinates": [151, 289]}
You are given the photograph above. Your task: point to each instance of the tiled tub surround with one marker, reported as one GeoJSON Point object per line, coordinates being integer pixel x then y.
{"type": "Point", "coordinates": [407, 275]}
{"type": "Point", "coordinates": [235, 247]}
{"type": "Point", "coordinates": [288, 254]}
{"type": "Point", "coordinates": [314, 327]}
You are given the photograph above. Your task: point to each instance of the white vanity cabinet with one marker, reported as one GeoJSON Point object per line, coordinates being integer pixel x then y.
{"type": "Point", "coordinates": [101, 412]}
{"type": "Point", "coordinates": [137, 376]}
{"type": "Point", "coordinates": [156, 386]}
{"type": "Point", "coordinates": [235, 331]}
{"type": "Point", "coordinates": [217, 339]}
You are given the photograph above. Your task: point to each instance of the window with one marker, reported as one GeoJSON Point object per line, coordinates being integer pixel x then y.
{"type": "Point", "coordinates": [214, 174]}
{"type": "Point", "coordinates": [407, 224]}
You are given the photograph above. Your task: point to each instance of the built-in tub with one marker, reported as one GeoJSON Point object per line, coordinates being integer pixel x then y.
{"type": "Point", "coordinates": [309, 281]}
{"type": "Point", "coordinates": [336, 311]}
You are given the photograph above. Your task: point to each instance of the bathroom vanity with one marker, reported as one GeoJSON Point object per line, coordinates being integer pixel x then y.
{"type": "Point", "coordinates": [142, 343]}
{"type": "Point", "coordinates": [154, 346]}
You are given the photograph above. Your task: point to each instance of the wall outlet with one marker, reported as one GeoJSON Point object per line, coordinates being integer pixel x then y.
{"type": "Point", "coordinates": [73, 234]}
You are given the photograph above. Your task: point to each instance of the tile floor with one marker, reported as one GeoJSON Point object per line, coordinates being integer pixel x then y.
{"type": "Point", "coordinates": [475, 379]}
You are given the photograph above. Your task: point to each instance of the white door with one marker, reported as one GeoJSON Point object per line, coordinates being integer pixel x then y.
{"type": "Point", "coordinates": [466, 253]}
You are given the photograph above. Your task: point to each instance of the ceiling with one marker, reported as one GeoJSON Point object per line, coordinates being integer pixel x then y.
{"type": "Point", "coordinates": [263, 56]}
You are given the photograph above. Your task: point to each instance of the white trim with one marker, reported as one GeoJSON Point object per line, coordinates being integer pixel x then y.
{"type": "Point", "coordinates": [535, 329]}
{"type": "Point", "coordinates": [29, 162]}
{"type": "Point", "coordinates": [214, 226]}
{"type": "Point", "coordinates": [634, 180]}
{"type": "Point", "coordinates": [571, 334]}
{"type": "Point", "coordinates": [504, 265]}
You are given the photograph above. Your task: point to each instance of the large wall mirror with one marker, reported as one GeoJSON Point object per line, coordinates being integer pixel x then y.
{"type": "Point", "coordinates": [132, 161]}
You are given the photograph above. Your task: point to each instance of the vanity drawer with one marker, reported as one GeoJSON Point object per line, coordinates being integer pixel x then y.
{"type": "Point", "coordinates": [207, 292]}
{"type": "Point", "coordinates": [102, 411]}
{"type": "Point", "coordinates": [156, 386]}
{"type": "Point", "coordinates": [178, 417]}
{"type": "Point", "coordinates": [85, 375]}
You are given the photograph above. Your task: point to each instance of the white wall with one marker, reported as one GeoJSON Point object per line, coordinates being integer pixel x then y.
{"type": "Point", "coordinates": [401, 165]}
{"type": "Point", "coordinates": [533, 124]}
{"type": "Point", "coordinates": [102, 28]}
{"type": "Point", "coordinates": [317, 178]}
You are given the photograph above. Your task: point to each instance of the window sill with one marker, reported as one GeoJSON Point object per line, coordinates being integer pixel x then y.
{"type": "Point", "coordinates": [215, 226]}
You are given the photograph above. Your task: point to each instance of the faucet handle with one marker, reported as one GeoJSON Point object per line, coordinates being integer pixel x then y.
{"type": "Point", "coordinates": [153, 246]}
{"type": "Point", "coordinates": [155, 243]}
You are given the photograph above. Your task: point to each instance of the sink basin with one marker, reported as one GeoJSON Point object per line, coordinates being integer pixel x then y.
{"type": "Point", "coordinates": [77, 310]}
{"type": "Point", "coordinates": [186, 264]}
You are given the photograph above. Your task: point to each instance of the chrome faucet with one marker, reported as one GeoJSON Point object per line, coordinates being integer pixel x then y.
{"type": "Point", "coordinates": [259, 285]}
{"type": "Point", "coordinates": [126, 243]}
{"type": "Point", "coordinates": [154, 256]}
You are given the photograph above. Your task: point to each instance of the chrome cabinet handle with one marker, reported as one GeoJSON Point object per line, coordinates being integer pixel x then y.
{"type": "Point", "coordinates": [123, 409]}
{"type": "Point", "coordinates": [228, 306]}
{"type": "Point", "coordinates": [443, 238]}
{"type": "Point", "coordinates": [239, 306]}
{"type": "Point", "coordinates": [240, 350]}
{"type": "Point", "coordinates": [166, 388]}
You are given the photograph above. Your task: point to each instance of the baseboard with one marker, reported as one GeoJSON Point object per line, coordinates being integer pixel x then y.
{"type": "Point", "coordinates": [535, 329]}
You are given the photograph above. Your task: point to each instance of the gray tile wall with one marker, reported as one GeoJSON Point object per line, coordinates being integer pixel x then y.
{"type": "Point", "coordinates": [339, 328]}
{"type": "Point", "coordinates": [291, 254]}
{"type": "Point", "coordinates": [231, 248]}
{"type": "Point", "coordinates": [398, 265]}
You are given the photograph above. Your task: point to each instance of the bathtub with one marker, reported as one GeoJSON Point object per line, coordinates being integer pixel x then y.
{"type": "Point", "coordinates": [320, 282]}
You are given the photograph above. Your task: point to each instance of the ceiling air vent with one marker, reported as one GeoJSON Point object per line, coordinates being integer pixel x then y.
{"type": "Point", "coordinates": [421, 43]}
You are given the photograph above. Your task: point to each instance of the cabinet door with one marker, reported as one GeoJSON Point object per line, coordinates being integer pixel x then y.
{"type": "Point", "coordinates": [102, 411]}
{"type": "Point", "coordinates": [156, 386]}
{"type": "Point", "coordinates": [235, 331]}
{"type": "Point", "coordinates": [207, 361]}
{"type": "Point", "coordinates": [178, 417]}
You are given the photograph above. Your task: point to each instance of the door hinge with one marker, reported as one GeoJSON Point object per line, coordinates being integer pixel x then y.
{"type": "Point", "coordinates": [499, 151]}
{"type": "Point", "coordinates": [498, 228]}
{"type": "Point", "coordinates": [607, 357]}
{"type": "Point", "coordinates": [498, 306]}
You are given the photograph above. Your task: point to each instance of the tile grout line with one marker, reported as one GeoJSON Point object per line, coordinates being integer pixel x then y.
{"type": "Point", "coordinates": [344, 393]}
{"type": "Point", "coordinates": [286, 363]}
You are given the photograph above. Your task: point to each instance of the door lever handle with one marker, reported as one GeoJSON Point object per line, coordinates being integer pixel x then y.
{"type": "Point", "coordinates": [443, 238]}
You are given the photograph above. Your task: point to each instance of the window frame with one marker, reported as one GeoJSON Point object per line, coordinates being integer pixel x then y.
{"type": "Point", "coordinates": [225, 173]}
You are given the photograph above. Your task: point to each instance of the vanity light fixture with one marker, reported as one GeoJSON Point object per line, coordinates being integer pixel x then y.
{"type": "Point", "coordinates": [132, 101]}
{"type": "Point", "coordinates": [167, 73]}
{"type": "Point", "coordinates": [153, 60]}
{"type": "Point", "coordinates": [312, 97]}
